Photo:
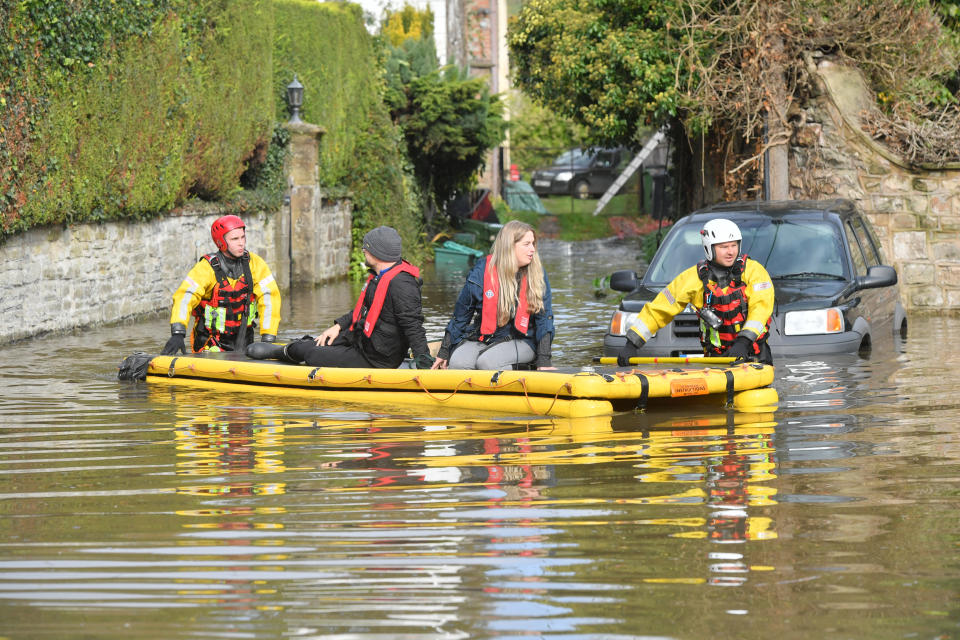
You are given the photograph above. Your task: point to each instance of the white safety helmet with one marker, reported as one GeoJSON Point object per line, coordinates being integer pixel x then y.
{"type": "Point", "coordinates": [716, 232]}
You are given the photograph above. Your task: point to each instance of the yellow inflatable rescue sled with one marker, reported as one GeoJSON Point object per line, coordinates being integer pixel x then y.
{"type": "Point", "coordinates": [562, 393]}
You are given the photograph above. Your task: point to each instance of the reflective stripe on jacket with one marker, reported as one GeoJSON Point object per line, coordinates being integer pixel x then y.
{"type": "Point", "coordinates": [687, 288]}
{"type": "Point", "coordinates": [730, 303]}
{"type": "Point", "coordinates": [217, 320]}
{"type": "Point", "coordinates": [200, 283]}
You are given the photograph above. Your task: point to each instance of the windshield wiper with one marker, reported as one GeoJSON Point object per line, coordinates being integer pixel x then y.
{"type": "Point", "coordinates": [808, 274]}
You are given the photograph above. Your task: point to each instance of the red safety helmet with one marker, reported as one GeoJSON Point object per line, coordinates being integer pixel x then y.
{"type": "Point", "coordinates": [222, 226]}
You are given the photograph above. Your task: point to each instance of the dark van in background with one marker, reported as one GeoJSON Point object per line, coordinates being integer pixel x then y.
{"type": "Point", "coordinates": [581, 173]}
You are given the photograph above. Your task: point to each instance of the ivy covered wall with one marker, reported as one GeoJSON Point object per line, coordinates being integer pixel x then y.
{"type": "Point", "coordinates": [130, 107]}
{"type": "Point", "coordinates": [125, 109]}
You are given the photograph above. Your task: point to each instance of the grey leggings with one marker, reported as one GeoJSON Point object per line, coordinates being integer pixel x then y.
{"type": "Point", "coordinates": [471, 354]}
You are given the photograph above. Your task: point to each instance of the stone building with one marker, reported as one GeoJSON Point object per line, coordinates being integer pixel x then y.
{"type": "Point", "coordinates": [915, 209]}
{"type": "Point", "coordinates": [476, 38]}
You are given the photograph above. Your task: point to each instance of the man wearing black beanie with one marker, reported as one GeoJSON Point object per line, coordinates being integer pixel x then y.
{"type": "Point", "coordinates": [386, 321]}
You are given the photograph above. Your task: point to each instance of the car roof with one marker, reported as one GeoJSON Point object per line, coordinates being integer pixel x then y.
{"type": "Point", "coordinates": [590, 152]}
{"type": "Point", "coordinates": [774, 209]}
{"type": "Point", "coordinates": [593, 150]}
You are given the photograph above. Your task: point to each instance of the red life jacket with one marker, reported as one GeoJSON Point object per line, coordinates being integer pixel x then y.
{"type": "Point", "coordinates": [729, 302]}
{"type": "Point", "coordinates": [491, 296]}
{"type": "Point", "coordinates": [373, 312]}
{"type": "Point", "coordinates": [217, 320]}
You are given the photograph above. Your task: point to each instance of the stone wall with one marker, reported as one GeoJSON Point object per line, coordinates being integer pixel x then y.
{"type": "Point", "coordinates": [61, 278]}
{"type": "Point", "coordinates": [915, 210]}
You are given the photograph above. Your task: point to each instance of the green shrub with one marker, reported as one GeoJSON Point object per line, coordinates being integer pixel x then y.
{"type": "Point", "coordinates": [265, 170]}
{"type": "Point", "coordinates": [124, 109]}
{"type": "Point", "coordinates": [384, 191]}
{"type": "Point", "coordinates": [129, 107]}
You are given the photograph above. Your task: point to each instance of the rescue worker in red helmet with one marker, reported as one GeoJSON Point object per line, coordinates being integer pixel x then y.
{"type": "Point", "coordinates": [385, 323]}
{"type": "Point", "coordinates": [226, 293]}
{"type": "Point", "coordinates": [733, 295]}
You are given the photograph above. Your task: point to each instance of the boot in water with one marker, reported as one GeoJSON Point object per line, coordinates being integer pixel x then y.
{"type": "Point", "coordinates": [266, 351]}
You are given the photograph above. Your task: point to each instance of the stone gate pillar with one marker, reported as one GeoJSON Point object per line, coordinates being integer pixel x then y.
{"type": "Point", "coordinates": [316, 230]}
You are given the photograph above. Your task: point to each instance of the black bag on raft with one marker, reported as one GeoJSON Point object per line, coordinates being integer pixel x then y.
{"type": "Point", "coordinates": [134, 367]}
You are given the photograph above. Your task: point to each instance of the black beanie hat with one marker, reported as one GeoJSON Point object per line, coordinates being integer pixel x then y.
{"type": "Point", "coordinates": [384, 244]}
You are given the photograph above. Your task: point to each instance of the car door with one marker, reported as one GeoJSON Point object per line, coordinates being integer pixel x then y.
{"type": "Point", "coordinates": [879, 304]}
{"type": "Point", "coordinates": [869, 302]}
{"type": "Point", "coordinates": [603, 170]}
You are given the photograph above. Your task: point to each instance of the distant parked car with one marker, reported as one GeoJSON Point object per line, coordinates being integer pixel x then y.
{"type": "Point", "coordinates": [835, 292]}
{"type": "Point", "coordinates": [580, 173]}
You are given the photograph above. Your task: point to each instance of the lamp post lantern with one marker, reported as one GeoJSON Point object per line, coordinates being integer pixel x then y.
{"type": "Point", "coordinates": [295, 99]}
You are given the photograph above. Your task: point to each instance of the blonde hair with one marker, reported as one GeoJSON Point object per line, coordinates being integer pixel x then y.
{"type": "Point", "coordinates": [504, 260]}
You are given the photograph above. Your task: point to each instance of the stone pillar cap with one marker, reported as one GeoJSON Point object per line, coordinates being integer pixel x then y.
{"type": "Point", "coordinates": [305, 128]}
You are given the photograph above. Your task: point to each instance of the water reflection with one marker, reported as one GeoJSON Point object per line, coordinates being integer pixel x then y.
{"type": "Point", "coordinates": [423, 510]}
{"type": "Point", "coordinates": [161, 512]}
{"type": "Point", "coordinates": [231, 445]}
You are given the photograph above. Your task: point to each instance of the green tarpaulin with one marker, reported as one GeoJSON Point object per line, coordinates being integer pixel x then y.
{"type": "Point", "coordinates": [520, 196]}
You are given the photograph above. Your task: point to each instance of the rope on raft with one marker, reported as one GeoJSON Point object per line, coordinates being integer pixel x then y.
{"type": "Point", "coordinates": [316, 376]}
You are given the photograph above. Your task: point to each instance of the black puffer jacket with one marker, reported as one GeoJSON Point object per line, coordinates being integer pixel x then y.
{"type": "Point", "coordinates": [399, 327]}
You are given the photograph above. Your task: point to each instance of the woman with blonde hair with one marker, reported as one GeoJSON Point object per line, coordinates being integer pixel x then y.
{"type": "Point", "coordinates": [503, 316]}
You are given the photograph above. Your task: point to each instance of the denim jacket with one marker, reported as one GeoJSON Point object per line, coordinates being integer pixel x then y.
{"type": "Point", "coordinates": [465, 323]}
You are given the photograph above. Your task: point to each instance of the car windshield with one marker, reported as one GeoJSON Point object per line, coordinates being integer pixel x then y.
{"type": "Point", "coordinates": [574, 158]}
{"type": "Point", "coordinates": [788, 249]}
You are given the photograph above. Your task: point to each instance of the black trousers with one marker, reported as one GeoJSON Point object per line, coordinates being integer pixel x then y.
{"type": "Point", "coordinates": [340, 353]}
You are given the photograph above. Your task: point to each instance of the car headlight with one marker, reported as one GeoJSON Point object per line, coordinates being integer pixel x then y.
{"type": "Point", "coordinates": [808, 323]}
{"type": "Point", "coordinates": [621, 321]}
{"type": "Point", "coordinates": [564, 176]}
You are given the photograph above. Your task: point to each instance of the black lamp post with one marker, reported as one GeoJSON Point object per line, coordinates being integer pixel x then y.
{"type": "Point", "coordinates": [295, 99]}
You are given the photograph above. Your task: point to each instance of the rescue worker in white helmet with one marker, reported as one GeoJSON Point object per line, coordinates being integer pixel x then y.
{"type": "Point", "coordinates": [226, 292]}
{"type": "Point", "coordinates": [732, 293]}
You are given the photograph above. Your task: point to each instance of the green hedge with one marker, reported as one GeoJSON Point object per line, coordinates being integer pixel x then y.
{"type": "Point", "coordinates": [124, 109]}
{"type": "Point", "coordinates": [138, 106]}
{"type": "Point", "coordinates": [330, 51]}
{"type": "Point", "coordinates": [43, 47]}
{"type": "Point", "coordinates": [341, 68]}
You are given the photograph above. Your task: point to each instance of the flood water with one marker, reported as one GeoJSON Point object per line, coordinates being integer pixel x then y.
{"type": "Point", "coordinates": [130, 511]}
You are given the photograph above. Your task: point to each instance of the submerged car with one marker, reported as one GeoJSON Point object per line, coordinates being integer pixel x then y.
{"type": "Point", "coordinates": [834, 291]}
{"type": "Point", "coordinates": [580, 173]}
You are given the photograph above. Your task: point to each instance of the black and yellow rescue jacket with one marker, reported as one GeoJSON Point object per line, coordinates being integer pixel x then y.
{"type": "Point", "coordinates": [744, 303]}
{"type": "Point", "coordinates": [217, 301]}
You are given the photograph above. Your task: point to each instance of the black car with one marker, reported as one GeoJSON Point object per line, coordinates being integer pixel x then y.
{"type": "Point", "coordinates": [580, 173]}
{"type": "Point", "coordinates": [834, 292]}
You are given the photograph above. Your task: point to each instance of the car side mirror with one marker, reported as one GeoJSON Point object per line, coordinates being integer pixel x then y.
{"type": "Point", "coordinates": [624, 281]}
{"type": "Point", "coordinates": [877, 276]}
